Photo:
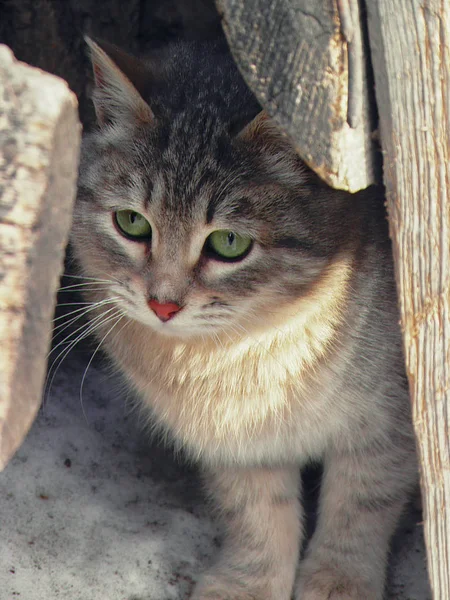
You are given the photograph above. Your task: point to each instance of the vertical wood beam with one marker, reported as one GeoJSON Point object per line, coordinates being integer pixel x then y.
{"type": "Point", "coordinates": [410, 47]}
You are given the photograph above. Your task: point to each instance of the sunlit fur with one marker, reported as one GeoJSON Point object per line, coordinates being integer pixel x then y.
{"type": "Point", "coordinates": [289, 355]}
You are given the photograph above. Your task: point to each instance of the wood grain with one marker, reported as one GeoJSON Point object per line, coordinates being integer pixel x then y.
{"type": "Point", "coordinates": [305, 63]}
{"type": "Point", "coordinates": [411, 58]}
{"type": "Point", "coordinates": [39, 144]}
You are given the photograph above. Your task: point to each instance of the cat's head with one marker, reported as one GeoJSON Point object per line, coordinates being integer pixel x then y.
{"type": "Point", "coordinates": [191, 203]}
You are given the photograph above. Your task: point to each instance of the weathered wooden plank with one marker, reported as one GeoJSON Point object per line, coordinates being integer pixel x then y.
{"type": "Point", "coordinates": [411, 57]}
{"type": "Point", "coordinates": [39, 142]}
{"type": "Point", "coordinates": [305, 62]}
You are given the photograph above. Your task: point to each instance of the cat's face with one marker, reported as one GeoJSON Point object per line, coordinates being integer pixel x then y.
{"type": "Point", "coordinates": [194, 228]}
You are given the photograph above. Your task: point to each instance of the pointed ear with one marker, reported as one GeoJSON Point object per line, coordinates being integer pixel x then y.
{"type": "Point", "coordinates": [120, 79]}
{"type": "Point", "coordinates": [262, 127]}
{"type": "Point", "coordinates": [280, 154]}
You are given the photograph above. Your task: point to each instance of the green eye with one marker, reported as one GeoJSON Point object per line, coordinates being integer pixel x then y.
{"type": "Point", "coordinates": [228, 245]}
{"type": "Point", "coordinates": [132, 224]}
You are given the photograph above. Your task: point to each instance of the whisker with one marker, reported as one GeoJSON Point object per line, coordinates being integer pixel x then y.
{"type": "Point", "coordinates": [97, 318]}
{"type": "Point", "coordinates": [88, 329]}
{"type": "Point", "coordinates": [120, 317]}
{"type": "Point", "coordinates": [80, 285]}
{"type": "Point", "coordinates": [74, 304]}
{"type": "Point", "coordinates": [72, 312]}
{"type": "Point", "coordinates": [84, 312]}
{"type": "Point", "coordinates": [84, 289]}
{"type": "Point", "coordinates": [86, 277]}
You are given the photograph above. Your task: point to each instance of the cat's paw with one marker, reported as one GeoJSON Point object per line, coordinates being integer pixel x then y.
{"type": "Point", "coordinates": [324, 582]}
{"type": "Point", "coordinates": [213, 587]}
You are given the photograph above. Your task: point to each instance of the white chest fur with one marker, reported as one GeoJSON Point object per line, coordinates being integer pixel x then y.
{"type": "Point", "coordinates": [247, 400]}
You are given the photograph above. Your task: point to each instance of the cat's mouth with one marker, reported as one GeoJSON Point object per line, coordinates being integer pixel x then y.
{"type": "Point", "coordinates": [167, 319]}
{"type": "Point", "coordinates": [181, 327]}
{"type": "Point", "coordinates": [198, 320]}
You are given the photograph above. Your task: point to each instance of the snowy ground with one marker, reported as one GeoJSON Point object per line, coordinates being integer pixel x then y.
{"type": "Point", "coordinates": [91, 510]}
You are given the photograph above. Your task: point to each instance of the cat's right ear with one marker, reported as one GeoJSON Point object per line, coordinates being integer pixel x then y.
{"type": "Point", "coordinates": [119, 81]}
{"type": "Point", "coordinates": [262, 126]}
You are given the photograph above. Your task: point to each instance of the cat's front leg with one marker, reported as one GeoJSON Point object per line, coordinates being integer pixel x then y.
{"type": "Point", "coordinates": [363, 493]}
{"type": "Point", "coordinates": [262, 518]}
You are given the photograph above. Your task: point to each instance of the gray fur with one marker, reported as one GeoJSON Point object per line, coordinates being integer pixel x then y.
{"type": "Point", "coordinates": [290, 355]}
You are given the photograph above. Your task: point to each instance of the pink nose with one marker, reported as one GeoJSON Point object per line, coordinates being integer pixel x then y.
{"type": "Point", "coordinates": [164, 311]}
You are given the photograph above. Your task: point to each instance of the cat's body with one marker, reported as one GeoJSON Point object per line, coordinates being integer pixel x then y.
{"type": "Point", "coordinates": [286, 353]}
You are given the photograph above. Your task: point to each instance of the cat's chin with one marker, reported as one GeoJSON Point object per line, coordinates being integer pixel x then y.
{"type": "Point", "coordinates": [184, 333]}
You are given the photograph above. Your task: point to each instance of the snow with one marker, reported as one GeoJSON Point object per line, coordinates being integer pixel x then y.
{"type": "Point", "coordinates": [91, 508]}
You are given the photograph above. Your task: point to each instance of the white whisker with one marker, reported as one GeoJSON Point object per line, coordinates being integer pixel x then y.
{"type": "Point", "coordinates": [85, 289]}
{"type": "Point", "coordinates": [97, 318]}
{"type": "Point", "coordinates": [76, 286]}
{"type": "Point", "coordinates": [69, 314]}
{"type": "Point", "coordinates": [119, 318]}
{"type": "Point", "coordinates": [84, 312]}
{"type": "Point", "coordinates": [88, 329]}
{"type": "Point", "coordinates": [86, 277]}
{"type": "Point", "coordinates": [75, 304]}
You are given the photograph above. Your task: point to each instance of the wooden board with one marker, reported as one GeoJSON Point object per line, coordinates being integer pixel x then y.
{"type": "Point", "coordinates": [39, 145]}
{"type": "Point", "coordinates": [305, 62]}
{"type": "Point", "coordinates": [411, 57]}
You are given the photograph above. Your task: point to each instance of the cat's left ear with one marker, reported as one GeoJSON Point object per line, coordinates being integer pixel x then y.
{"type": "Point", "coordinates": [120, 79]}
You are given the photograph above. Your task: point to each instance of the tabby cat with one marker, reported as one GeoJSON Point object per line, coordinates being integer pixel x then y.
{"type": "Point", "coordinates": [254, 311]}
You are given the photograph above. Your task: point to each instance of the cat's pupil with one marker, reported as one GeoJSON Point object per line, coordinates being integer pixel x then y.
{"type": "Point", "coordinates": [231, 237]}
{"type": "Point", "coordinates": [133, 217]}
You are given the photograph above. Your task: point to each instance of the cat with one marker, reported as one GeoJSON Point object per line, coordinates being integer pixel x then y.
{"type": "Point", "coordinates": [254, 310]}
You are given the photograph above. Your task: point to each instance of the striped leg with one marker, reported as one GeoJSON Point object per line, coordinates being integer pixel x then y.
{"type": "Point", "coordinates": [262, 517]}
{"type": "Point", "coordinates": [362, 496]}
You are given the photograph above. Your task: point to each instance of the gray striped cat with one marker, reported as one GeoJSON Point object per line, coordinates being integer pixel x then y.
{"type": "Point", "coordinates": [254, 311]}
